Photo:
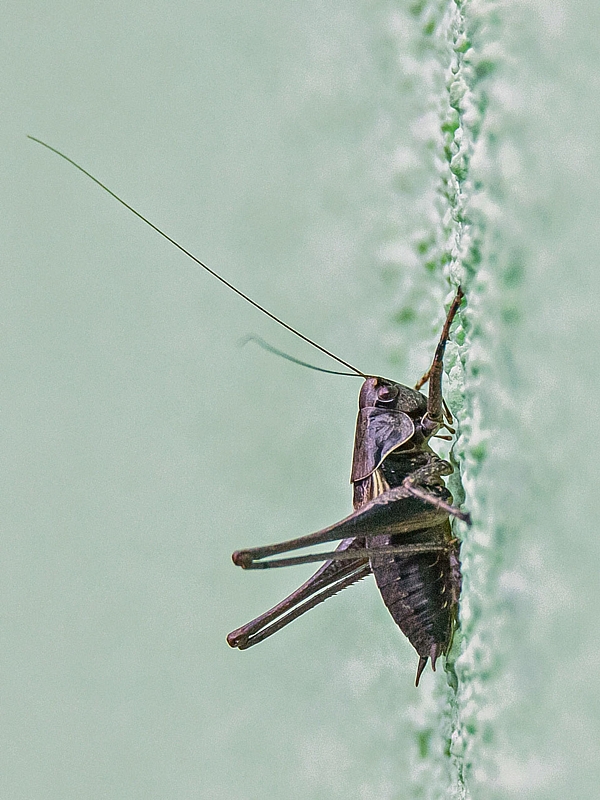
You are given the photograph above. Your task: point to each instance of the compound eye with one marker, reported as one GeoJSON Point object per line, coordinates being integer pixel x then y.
{"type": "Point", "coordinates": [387, 393]}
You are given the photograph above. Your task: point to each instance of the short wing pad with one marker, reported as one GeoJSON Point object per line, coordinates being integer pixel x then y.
{"type": "Point", "coordinates": [378, 432]}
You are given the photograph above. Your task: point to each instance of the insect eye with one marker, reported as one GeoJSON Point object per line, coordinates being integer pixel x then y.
{"type": "Point", "coordinates": [387, 393]}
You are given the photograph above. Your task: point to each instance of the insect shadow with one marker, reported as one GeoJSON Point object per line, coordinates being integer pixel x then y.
{"type": "Point", "coordinates": [400, 527]}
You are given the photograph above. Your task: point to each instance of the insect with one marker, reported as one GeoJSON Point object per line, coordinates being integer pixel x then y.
{"type": "Point", "coordinates": [400, 527]}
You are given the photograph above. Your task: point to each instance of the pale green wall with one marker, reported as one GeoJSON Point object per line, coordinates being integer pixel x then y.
{"type": "Point", "coordinates": [296, 147]}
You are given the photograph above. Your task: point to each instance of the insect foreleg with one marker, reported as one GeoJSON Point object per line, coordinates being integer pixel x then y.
{"type": "Point", "coordinates": [420, 383]}
{"type": "Point", "coordinates": [435, 414]}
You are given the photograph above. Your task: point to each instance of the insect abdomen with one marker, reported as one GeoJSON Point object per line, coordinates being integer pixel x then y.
{"type": "Point", "coordinates": [420, 591]}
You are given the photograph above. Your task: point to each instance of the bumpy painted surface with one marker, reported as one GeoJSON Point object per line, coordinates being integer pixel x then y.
{"type": "Point", "coordinates": [442, 723]}
{"type": "Point", "coordinates": [514, 142]}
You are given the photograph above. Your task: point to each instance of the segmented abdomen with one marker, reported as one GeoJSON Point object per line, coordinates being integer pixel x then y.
{"type": "Point", "coordinates": [421, 591]}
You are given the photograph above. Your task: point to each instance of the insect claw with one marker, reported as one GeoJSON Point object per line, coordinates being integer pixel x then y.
{"type": "Point", "coordinates": [447, 414]}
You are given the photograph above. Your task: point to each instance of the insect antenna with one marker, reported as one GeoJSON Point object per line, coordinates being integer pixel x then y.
{"type": "Point", "coordinates": [197, 260]}
{"type": "Point", "coordinates": [269, 348]}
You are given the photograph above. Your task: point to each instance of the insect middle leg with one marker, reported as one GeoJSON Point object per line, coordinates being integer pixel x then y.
{"type": "Point", "coordinates": [429, 474]}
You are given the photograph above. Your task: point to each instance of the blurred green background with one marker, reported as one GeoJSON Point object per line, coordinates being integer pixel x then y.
{"type": "Point", "coordinates": [338, 161]}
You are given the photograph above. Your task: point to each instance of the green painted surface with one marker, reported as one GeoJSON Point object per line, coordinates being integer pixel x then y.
{"type": "Point", "coordinates": [338, 161]}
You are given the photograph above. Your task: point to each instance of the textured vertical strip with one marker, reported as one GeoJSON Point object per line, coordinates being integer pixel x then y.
{"type": "Point", "coordinates": [460, 34]}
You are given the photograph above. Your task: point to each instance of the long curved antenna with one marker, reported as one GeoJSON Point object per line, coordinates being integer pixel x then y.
{"type": "Point", "coordinates": [270, 349]}
{"type": "Point", "coordinates": [197, 260]}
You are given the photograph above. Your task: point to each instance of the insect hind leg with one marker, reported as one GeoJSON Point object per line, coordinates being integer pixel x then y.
{"type": "Point", "coordinates": [327, 581]}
